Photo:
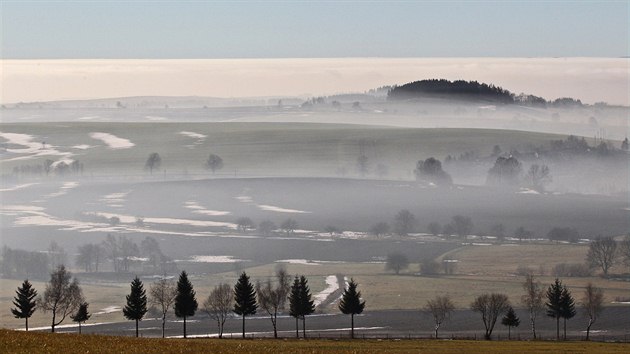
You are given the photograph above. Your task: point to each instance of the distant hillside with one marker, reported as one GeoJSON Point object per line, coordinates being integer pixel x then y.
{"type": "Point", "coordinates": [471, 90]}
{"type": "Point", "coordinates": [456, 89]}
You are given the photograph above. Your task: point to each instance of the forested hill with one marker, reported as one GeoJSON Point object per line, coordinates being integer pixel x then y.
{"type": "Point", "coordinates": [459, 89]}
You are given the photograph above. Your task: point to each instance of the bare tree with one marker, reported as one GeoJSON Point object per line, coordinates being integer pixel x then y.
{"type": "Point", "coordinates": [273, 298]}
{"type": "Point", "coordinates": [379, 229]}
{"type": "Point", "coordinates": [219, 304]}
{"type": "Point", "coordinates": [601, 253]}
{"type": "Point", "coordinates": [214, 163]}
{"type": "Point", "coordinates": [533, 299]}
{"type": "Point", "coordinates": [62, 297]}
{"type": "Point", "coordinates": [404, 222]}
{"type": "Point", "coordinates": [363, 165]}
{"type": "Point", "coordinates": [289, 226]}
{"type": "Point", "coordinates": [153, 162]}
{"type": "Point", "coordinates": [396, 261]}
{"type": "Point", "coordinates": [491, 307]}
{"type": "Point", "coordinates": [538, 176]}
{"type": "Point", "coordinates": [592, 305]}
{"type": "Point", "coordinates": [244, 224]}
{"type": "Point", "coordinates": [266, 227]}
{"type": "Point", "coordinates": [162, 294]}
{"type": "Point", "coordinates": [624, 250]}
{"type": "Point", "coordinates": [440, 308]}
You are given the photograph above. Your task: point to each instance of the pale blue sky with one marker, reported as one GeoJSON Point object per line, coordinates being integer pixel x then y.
{"type": "Point", "coordinates": [285, 29]}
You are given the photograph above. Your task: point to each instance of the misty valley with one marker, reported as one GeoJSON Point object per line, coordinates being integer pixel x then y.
{"type": "Point", "coordinates": [411, 196]}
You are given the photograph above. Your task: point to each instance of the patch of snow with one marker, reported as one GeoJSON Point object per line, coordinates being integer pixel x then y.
{"type": "Point", "coordinates": [31, 148]}
{"type": "Point", "coordinates": [82, 147]}
{"type": "Point", "coordinates": [193, 135]}
{"type": "Point", "coordinates": [216, 259]}
{"type": "Point", "coordinates": [244, 199]}
{"type": "Point", "coordinates": [198, 209]}
{"type": "Point", "coordinates": [88, 118]}
{"type": "Point", "coordinates": [527, 191]}
{"type": "Point", "coordinates": [297, 261]}
{"type": "Point", "coordinates": [280, 210]}
{"type": "Point", "coordinates": [63, 190]}
{"type": "Point", "coordinates": [128, 219]}
{"type": "Point", "coordinates": [331, 285]}
{"type": "Point", "coordinates": [18, 187]}
{"type": "Point", "coordinates": [112, 141]}
{"type": "Point", "coordinates": [115, 200]}
{"type": "Point", "coordinates": [108, 309]}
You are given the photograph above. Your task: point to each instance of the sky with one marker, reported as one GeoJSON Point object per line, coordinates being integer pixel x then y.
{"type": "Point", "coordinates": [321, 29]}
{"type": "Point", "coordinates": [52, 50]}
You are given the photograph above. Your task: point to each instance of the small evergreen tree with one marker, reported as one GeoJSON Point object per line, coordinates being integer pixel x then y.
{"type": "Point", "coordinates": [136, 306]}
{"type": "Point", "coordinates": [244, 298]}
{"type": "Point", "coordinates": [24, 302]}
{"type": "Point", "coordinates": [567, 308]}
{"type": "Point", "coordinates": [185, 301]}
{"type": "Point", "coordinates": [554, 304]}
{"type": "Point", "coordinates": [83, 315]}
{"type": "Point", "coordinates": [300, 302]}
{"type": "Point", "coordinates": [351, 303]}
{"type": "Point", "coordinates": [510, 320]}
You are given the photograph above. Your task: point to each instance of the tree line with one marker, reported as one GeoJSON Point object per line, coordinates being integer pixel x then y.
{"type": "Point", "coordinates": [63, 297]}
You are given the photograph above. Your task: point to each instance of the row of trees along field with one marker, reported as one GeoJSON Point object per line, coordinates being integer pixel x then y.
{"type": "Point", "coordinates": [603, 253]}
{"type": "Point", "coordinates": [63, 298]}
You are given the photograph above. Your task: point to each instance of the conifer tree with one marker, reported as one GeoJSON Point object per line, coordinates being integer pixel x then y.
{"type": "Point", "coordinates": [244, 298]}
{"type": "Point", "coordinates": [554, 303]}
{"type": "Point", "coordinates": [24, 301]}
{"type": "Point", "coordinates": [300, 302]}
{"type": "Point", "coordinates": [185, 301]}
{"type": "Point", "coordinates": [567, 308]}
{"type": "Point", "coordinates": [510, 320]}
{"type": "Point", "coordinates": [82, 315]}
{"type": "Point", "coordinates": [351, 303]}
{"type": "Point", "coordinates": [136, 306]}
{"type": "Point", "coordinates": [295, 304]}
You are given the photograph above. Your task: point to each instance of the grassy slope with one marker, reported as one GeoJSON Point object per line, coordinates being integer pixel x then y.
{"type": "Point", "coordinates": [21, 342]}
{"type": "Point", "coordinates": [268, 148]}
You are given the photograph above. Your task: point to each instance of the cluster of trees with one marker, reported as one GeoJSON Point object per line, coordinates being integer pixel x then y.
{"type": "Point", "coordinates": [458, 88]}
{"type": "Point", "coordinates": [406, 222]}
{"type": "Point", "coordinates": [122, 253]}
{"type": "Point", "coordinates": [50, 167]}
{"type": "Point", "coordinates": [431, 170]}
{"type": "Point", "coordinates": [17, 263]}
{"type": "Point", "coordinates": [154, 162]}
{"type": "Point", "coordinates": [604, 252]}
{"type": "Point", "coordinates": [266, 227]}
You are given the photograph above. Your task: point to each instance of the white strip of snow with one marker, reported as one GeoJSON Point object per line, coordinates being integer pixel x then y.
{"type": "Point", "coordinates": [82, 147]}
{"type": "Point", "coordinates": [280, 210]}
{"type": "Point", "coordinates": [527, 191]}
{"type": "Point", "coordinates": [18, 187]}
{"type": "Point", "coordinates": [331, 285]}
{"type": "Point", "coordinates": [193, 135]}
{"type": "Point", "coordinates": [108, 309]}
{"type": "Point", "coordinates": [244, 199]}
{"type": "Point", "coordinates": [198, 209]}
{"type": "Point", "coordinates": [238, 334]}
{"type": "Point", "coordinates": [31, 149]}
{"type": "Point", "coordinates": [216, 259]}
{"type": "Point", "coordinates": [297, 261]}
{"type": "Point", "coordinates": [112, 141]}
{"type": "Point", "coordinates": [201, 223]}
{"type": "Point", "coordinates": [63, 190]}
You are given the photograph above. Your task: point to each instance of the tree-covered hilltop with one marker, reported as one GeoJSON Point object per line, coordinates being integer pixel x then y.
{"type": "Point", "coordinates": [456, 89]}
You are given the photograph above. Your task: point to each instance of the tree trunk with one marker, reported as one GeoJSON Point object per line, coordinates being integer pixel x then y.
{"type": "Point", "coordinates": [558, 328]}
{"type": "Point", "coordinates": [243, 326]}
{"type": "Point", "coordinates": [588, 329]}
{"type": "Point", "coordinates": [352, 325]}
{"type": "Point", "coordinates": [275, 326]}
{"type": "Point", "coordinates": [79, 327]}
{"type": "Point", "coordinates": [304, 327]}
{"type": "Point", "coordinates": [52, 326]}
{"type": "Point", "coordinates": [184, 326]}
{"type": "Point", "coordinates": [163, 323]}
{"type": "Point", "coordinates": [565, 329]}
{"type": "Point", "coordinates": [533, 322]}
{"type": "Point", "coordinates": [509, 332]}
{"type": "Point", "coordinates": [297, 327]}
{"type": "Point", "coordinates": [27, 324]}
{"type": "Point", "coordinates": [437, 326]}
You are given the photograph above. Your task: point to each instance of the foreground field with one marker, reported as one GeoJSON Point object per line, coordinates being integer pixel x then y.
{"type": "Point", "coordinates": [19, 342]}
